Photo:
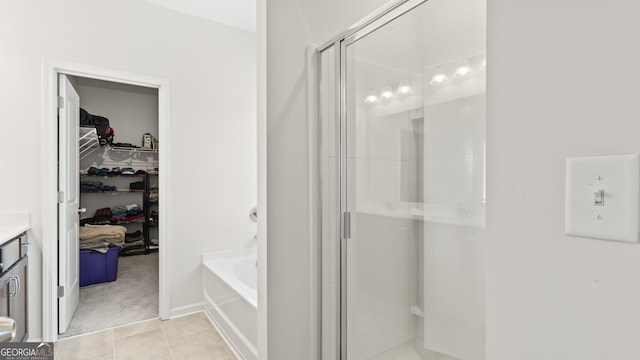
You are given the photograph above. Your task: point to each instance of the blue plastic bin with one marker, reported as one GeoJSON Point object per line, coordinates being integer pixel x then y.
{"type": "Point", "coordinates": [96, 267]}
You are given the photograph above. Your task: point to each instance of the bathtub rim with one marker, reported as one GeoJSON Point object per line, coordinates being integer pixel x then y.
{"type": "Point", "coordinates": [221, 264]}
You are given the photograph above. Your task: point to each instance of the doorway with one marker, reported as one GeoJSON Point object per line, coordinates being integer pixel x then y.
{"type": "Point", "coordinates": [51, 275]}
{"type": "Point", "coordinates": [118, 198]}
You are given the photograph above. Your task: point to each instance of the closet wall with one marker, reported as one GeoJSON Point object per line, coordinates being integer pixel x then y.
{"type": "Point", "coordinates": [131, 110]}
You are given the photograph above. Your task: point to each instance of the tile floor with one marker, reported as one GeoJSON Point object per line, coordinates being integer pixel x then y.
{"type": "Point", "coordinates": [190, 337]}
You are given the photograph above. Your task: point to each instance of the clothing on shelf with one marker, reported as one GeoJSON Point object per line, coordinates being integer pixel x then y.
{"type": "Point", "coordinates": [129, 213]}
{"type": "Point", "coordinates": [101, 237]}
{"type": "Point", "coordinates": [133, 250]}
{"type": "Point", "coordinates": [119, 214]}
{"type": "Point", "coordinates": [133, 238]}
{"type": "Point", "coordinates": [153, 194]}
{"type": "Point", "coordinates": [137, 186]}
{"type": "Point", "coordinates": [153, 218]}
{"type": "Point", "coordinates": [95, 186]}
{"type": "Point", "coordinates": [97, 172]}
{"type": "Point", "coordinates": [133, 244]}
{"type": "Point", "coordinates": [125, 145]}
{"type": "Point", "coordinates": [128, 171]}
{"type": "Point", "coordinates": [102, 216]}
{"type": "Point", "coordinates": [115, 171]}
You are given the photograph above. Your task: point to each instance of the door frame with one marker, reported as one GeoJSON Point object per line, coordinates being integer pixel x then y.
{"type": "Point", "coordinates": [51, 69]}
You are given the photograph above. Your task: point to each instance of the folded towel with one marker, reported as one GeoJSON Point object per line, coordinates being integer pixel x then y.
{"type": "Point", "coordinates": [95, 231]}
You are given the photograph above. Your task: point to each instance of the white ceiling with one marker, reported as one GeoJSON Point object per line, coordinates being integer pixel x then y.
{"type": "Point", "coordinates": [236, 13]}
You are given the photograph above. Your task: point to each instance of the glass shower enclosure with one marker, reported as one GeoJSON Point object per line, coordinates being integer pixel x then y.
{"type": "Point", "coordinates": [402, 168]}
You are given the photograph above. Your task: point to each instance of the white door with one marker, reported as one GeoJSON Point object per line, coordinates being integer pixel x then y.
{"type": "Point", "coordinates": [69, 188]}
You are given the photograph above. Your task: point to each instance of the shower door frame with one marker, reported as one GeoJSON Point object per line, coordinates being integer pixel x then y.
{"type": "Point", "coordinates": [339, 43]}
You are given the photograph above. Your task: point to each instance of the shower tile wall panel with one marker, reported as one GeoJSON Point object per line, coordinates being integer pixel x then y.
{"type": "Point", "coordinates": [385, 168]}
{"type": "Point", "coordinates": [385, 181]}
{"type": "Point", "coordinates": [454, 152]}
{"type": "Point", "coordinates": [382, 281]}
{"type": "Point", "coordinates": [385, 137]}
{"type": "Point", "coordinates": [379, 243]}
{"type": "Point", "coordinates": [381, 320]}
{"type": "Point", "coordinates": [454, 290]}
{"type": "Point", "coordinates": [454, 252]}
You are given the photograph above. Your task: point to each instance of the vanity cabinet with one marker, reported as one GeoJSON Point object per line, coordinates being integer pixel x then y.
{"type": "Point", "coordinates": [13, 283]}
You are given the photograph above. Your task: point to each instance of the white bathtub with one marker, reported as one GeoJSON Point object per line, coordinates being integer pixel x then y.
{"type": "Point", "coordinates": [229, 280]}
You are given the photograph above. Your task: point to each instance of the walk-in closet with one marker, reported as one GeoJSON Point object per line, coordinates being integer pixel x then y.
{"type": "Point", "coordinates": [118, 190]}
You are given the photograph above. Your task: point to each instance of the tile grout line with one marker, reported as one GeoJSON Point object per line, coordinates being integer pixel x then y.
{"type": "Point", "coordinates": [113, 347]}
{"type": "Point", "coordinates": [164, 336]}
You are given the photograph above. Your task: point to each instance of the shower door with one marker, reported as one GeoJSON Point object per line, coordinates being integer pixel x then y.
{"type": "Point", "coordinates": [402, 119]}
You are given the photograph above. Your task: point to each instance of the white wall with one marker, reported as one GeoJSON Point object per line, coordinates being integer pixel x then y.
{"type": "Point", "coordinates": [291, 26]}
{"type": "Point", "coordinates": [562, 81]}
{"type": "Point", "coordinates": [211, 70]}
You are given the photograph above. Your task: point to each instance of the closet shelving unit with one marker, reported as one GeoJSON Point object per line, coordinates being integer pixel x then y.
{"type": "Point", "coordinates": [149, 220]}
{"type": "Point", "coordinates": [146, 202]}
{"type": "Point", "coordinates": [87, 141]}
{"type": "Point", "coordinates": [132, 150]}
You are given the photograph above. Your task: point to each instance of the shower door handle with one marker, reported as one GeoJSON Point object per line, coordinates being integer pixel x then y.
{"type": "Point", "coordinates": [346, 225]}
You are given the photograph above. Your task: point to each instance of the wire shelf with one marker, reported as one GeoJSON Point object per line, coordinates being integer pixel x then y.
{"type": "Point", "coordinates": [87, 141]}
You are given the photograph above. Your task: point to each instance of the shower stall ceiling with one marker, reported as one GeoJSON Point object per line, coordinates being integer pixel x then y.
{"type": "Point", "coordinates": [409, 281]}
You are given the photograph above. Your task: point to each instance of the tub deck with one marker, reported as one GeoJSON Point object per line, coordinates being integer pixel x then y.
{"type": "Point", "coordinates": [229, 299]}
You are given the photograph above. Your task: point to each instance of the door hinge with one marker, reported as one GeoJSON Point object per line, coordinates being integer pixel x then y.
{"type": "Point", "coordinates": [60, 291]}
{"type": "Point", "coordinates": [60, 196]}
{"type": "Point", "coordinates": [60, 102]}
{"type": "Point", "coordinates": [346, 225]}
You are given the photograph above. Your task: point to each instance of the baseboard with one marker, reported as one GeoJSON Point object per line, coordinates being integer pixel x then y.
{"type": "Point", "coordinates": [225, 338]}
{"type": "Point", "coordinates": [186, 310]}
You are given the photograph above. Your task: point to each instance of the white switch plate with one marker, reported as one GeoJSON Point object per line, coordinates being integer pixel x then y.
{"type": "Point", "coordinates": [618, 217]}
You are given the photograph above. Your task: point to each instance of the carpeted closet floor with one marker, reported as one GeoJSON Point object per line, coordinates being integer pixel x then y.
{"type": "Point", "coordinates": [132, 297]}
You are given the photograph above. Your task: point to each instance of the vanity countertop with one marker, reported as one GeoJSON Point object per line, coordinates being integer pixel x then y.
{"type": "Point", "coordinates": [12, 225]}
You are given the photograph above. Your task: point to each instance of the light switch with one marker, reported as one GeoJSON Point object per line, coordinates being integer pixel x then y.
{"type": "Point", "coordinates": [603, 197]}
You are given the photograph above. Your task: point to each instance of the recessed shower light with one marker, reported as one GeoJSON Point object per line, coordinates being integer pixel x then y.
{"type": "Point", "coordinates": [371, 97]}
{"type": "Point", "coordinates": [404, 87]}
{"type": "Point", "coordinates": [462, 70]}
{"type": "Point", "coordinates": [386, 93]}
{"type": "Point", "coordinates": [439, 78]}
